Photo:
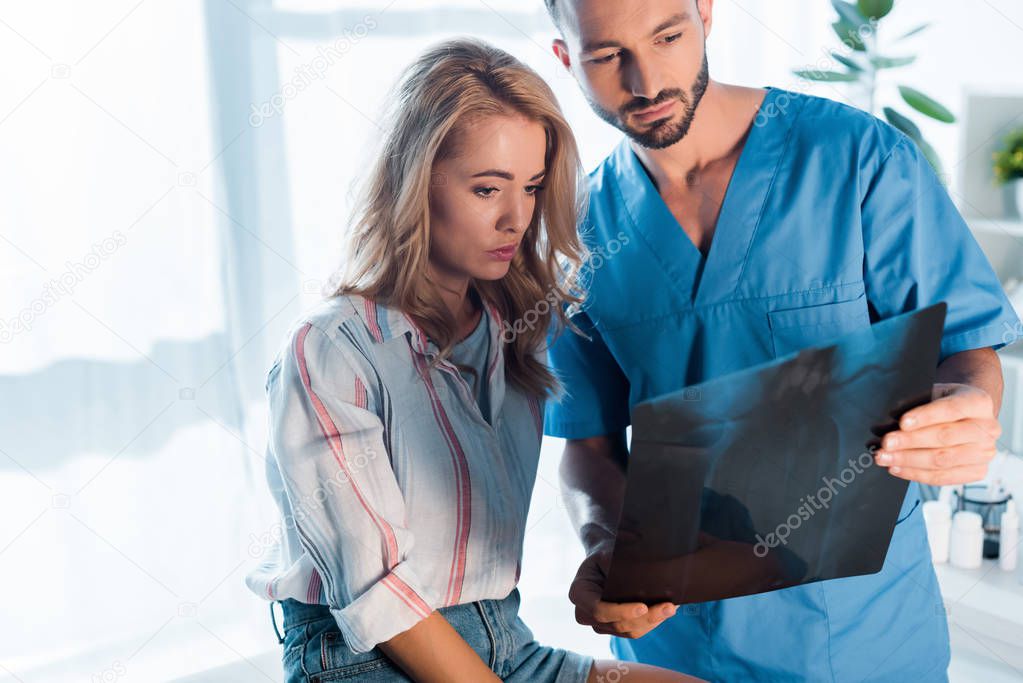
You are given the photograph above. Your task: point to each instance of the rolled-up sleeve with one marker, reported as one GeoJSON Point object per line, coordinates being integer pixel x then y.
{"type": "Point", "coordinates": [919, 251]}
{"type": "Point", "coordinates": [349, 512]}
{"type": "Point", "coordinates": [596, 391]}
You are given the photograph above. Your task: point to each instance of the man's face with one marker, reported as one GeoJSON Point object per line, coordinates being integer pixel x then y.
{"type": "Point", "coordinates": [642, 64]}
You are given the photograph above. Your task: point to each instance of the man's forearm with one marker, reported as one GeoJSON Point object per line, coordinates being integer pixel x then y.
{"type": "Point", "coordinates": [592, 475]}
{"type": "Point", "coordinates": [980, 368]}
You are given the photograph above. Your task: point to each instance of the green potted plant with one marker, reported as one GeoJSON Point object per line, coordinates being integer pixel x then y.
{"type": "Point", "coordinates": [1008, 169]}
{"type": "Point", "coordinates": [858, 28]}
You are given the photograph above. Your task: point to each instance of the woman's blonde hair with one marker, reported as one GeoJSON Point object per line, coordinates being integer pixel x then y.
{"type": "Point", "coordinates": [450, 85]}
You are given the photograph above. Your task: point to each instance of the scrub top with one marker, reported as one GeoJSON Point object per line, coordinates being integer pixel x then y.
{"type": "Point", "coordinates": [832, 220]}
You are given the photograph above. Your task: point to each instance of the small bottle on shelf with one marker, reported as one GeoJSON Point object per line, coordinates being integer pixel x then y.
{"type": "Point", "coordinates": [938, 521]}
{"type": "Point", "coordinates": [966, 546]}
{"type": "Point", "coordinates": [1008, 540]}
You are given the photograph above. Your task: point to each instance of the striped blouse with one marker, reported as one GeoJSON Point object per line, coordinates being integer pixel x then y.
{"type": "Point", "coordinates": [397, 496]}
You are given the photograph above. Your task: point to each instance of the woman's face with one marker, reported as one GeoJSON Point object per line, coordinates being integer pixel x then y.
{"type": "Point", "coordinates": [482, 198]}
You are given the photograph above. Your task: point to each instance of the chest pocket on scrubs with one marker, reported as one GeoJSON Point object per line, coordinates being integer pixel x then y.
{"type": "Point", "coordinates": [797, 328]}
{"type": "Point", "coordinates": [794, 329]}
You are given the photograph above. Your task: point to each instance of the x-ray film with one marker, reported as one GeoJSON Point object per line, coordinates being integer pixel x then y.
{"type": "Point", "coordinates": [765, 479]}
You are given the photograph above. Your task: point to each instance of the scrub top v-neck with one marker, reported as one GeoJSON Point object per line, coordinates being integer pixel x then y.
{"type": "Point", "coordinates": [676, 253]}
{"type": "Point", "coordinates": [832, 220]}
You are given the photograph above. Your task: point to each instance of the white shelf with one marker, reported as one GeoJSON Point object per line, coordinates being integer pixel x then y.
{"type": "Point", "coordinates": [985, 613]}
{"type": "Point", "coordinates": [985, 606]}
{"type": "Point", "coordinates": [1002, 243]}
{"type": "Point", "coordinates": [1010, 227]}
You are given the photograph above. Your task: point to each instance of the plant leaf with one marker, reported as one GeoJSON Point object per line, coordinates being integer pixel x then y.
{"type": "Point", "coordinates": [932, 158]}
{"type": "Point", "coordinates": [874, 9]}
{"type": "Point", "coordinates": [918, 29]}
{"type": "Point", "coordinates": [849, 35]}
{"type": "Point", "coordinates": [891, 62]}
{"type": "Point", "coordinates": [903, 124]}
{"type": "Point", "coordinates": [925, 105]}
{"type": "Point", "coordinates": [913, 131]}
{"type": "Point", "coordinates": [826, 76]}
{"type": "Point", "coordinates": [848, 12]}
{"type": "Point", "coordinates": [852, 64]}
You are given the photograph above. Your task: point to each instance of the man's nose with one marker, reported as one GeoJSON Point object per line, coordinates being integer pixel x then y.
{"type": "Point", "coordinates": [642, 79]}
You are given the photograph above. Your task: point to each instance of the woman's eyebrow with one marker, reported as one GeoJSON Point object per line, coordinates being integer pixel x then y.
{"type": "Point", "coordinates": [494, 172]}
{"type": "Point", "coordinates": [504, 174]}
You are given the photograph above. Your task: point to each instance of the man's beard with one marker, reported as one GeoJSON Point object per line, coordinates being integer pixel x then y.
{"type": "Point", "coordinates": [664, 133]}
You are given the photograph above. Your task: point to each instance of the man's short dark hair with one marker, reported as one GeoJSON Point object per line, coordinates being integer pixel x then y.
{"type": "Point", "coordinates": [552, 9]}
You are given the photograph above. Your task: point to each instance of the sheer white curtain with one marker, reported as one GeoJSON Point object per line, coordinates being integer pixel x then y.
{"type": "Point", "coordinates": [175, 187]}
{"type": "Point", "coordinates": [126, 472]}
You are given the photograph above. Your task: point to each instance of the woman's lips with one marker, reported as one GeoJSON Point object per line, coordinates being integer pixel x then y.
{"type": "Point", "coordinates": [504, 253]}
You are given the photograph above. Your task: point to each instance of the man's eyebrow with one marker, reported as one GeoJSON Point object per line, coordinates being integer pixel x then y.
{"type": "Point", "coordinates": [504, 174]}
{"type": "Point", "coordinates": [673, 20]}
{"type": "Point", "coordinates": [599, 45]}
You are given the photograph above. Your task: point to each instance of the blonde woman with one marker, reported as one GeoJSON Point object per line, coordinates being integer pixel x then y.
{"type": "Point", "coordinates": [406, 417]}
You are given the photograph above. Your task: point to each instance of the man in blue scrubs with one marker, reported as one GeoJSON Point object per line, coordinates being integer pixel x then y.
{"type": "Point", "coordinates": [735, 225]}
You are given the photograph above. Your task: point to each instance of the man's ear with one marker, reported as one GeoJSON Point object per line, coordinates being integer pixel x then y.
{"type": "Point", "coordinates": [560, 48]}
{"type": "Point", "coordinates": [706, 8]}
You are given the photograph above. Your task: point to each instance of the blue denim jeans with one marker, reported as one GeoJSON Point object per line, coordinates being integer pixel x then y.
{"type": "Point", "coordinates": [316, 652]}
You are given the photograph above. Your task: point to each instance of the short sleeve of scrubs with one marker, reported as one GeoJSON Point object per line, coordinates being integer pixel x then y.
{"type": "Point", "coordinates": [919, 251]}
{"type": "Point", "coordinates": [596, 392]}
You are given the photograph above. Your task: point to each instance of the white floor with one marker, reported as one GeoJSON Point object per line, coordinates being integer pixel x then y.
{"type": "Point", "coordinates": [266, 667]}
{"type": "Point", "coordinates": [966, 668]}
